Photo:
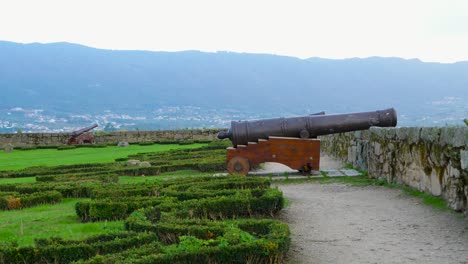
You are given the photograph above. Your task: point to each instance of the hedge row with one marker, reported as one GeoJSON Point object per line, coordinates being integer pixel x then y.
{"type": "Point", "coordinates": [59, 251]}
{"type": "Point", "coordinates": [12, 200]}
{"type": "Point", "coordinates": [58, 170]}
{"type": "Point", "coordinates": [67, 189]}
{"type": "Point", "coordinates": [222, 197]}
{"type": "Point", "coordinates": [181, 241]}
{"type": "Point", "coordinates": [116, 210]}
{"type": "Point", "coordinates": [240, 204]}
{"type": "Point", "coordinates": [202, 241]}
{"type": "Point", "coordinates": [83, 177]}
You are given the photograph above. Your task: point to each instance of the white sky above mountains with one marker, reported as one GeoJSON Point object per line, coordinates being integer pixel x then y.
{"type": "Point", "coordinates": [431, 30]}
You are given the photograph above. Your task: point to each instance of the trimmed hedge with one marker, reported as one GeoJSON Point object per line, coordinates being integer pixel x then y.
{"type": "Point", "coordinates": [116, 210]}
{"type": "Point", "coordinates": [17, 201]}
{"type": "Point", "coordinates": [202, 241]}
{"type": "Point", "coordinates": [60, 251]}
{"type": "Point", "coordinates": [202, 197]}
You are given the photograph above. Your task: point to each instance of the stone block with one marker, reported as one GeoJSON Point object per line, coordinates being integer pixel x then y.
{"type": "Point", "coordinates": [376, 133]}
{"type": "Point", "coordinates": [352, 154]}
{"type": "Point", "coordinates": [402, 133]}
{"type": "Point", "coordinates": [377, 149]}
{"type": "Point", "coordinates": [464, 159]}
{"type": "Point", "coordinates": [390, 133]}
{"type": "Point", "coordinates": [144, 164]}
{"type": "Point", "coordinates": [133, 163]}
{"type": "Point", "coordinates": [430, 134]}
{"type": "Point", "coordinates": [436, 187]}
{"type": "Point", "coordinates": [446, 135]}
{"type": "Point", "coordinates": [123, 144]}
{"type": "Point", "coordinates": [333, 173]}
{"type": "Point", "coordinates": [465, 136]}
{"type": "Point", "coordinates": [461, 137]}
{"type": "Point", "coordinates": [357, 134]}
{"type": "Point", "coordinates": [351, 172]}
{"type": "Point", "coordinates": [8, 148]}
{"type": "Point", "coordinates": [414, 134]}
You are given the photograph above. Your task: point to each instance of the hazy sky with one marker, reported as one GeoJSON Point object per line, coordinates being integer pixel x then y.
{"type": "Point", "coordinates": [431, 30]}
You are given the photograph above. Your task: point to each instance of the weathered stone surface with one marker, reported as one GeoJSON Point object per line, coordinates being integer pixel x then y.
{"type": "Point", "coordinates": [430, 134]}
{"type": "Point", "coordinates": [464, 159]}
{"type": "Point", "coordinates": [459, 139]}
{"type": "Point", "coordinates": [8, 148]}
{"type": "Point", "coordinates": [144, 164]}
{"type": "Point", "coordinates": [446, 135]}
{"type": "Point", "coordinates": [377, 150]}
{"type": "Point", "coordinates": [123, 144]}
{"type": "Point", "coordinates": [436, 187]}
{"type": "Point", "coordinates": [389, 133]}
{"type": "Point", "coordinates": [351, 172]}
{"type": "Point", "coordinates": [376, 133]}
{"type": "Point", "coordinates": [133, 163]}
{"type": "Point", "coordinates": [414, 134]}
{"type": "Point", "coordinates": [352, 154]}
{"type": "Point", "coordinates": [333, 173]}
{"type": "Point", "coordinates": [402, 133]}
{"type": "Point", "coordinates": [52, 139]}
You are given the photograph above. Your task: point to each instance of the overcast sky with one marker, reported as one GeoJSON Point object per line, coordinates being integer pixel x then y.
{"type": "Point", "coordinates": [431, 30]}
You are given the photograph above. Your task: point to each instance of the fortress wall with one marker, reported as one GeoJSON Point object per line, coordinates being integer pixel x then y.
{"type": "Point", "coordinates": [52, 139]}
{"type": "Point", "coordinates": [430, 159]}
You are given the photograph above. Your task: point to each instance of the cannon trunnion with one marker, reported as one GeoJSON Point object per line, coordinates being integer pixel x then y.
{"type": "Point", "coordinates": [291, 141]}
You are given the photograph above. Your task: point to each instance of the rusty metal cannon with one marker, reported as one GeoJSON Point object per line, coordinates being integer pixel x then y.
{"type": "Point", "coordinates": [292, 141]}
{"type": "Point", "coordinates": [82, 136]}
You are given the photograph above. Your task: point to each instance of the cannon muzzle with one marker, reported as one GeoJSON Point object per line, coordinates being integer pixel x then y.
{"type": "Point", "coordinates": [83, 130]}
{"type": "Point", "coordinates": [242, 132]}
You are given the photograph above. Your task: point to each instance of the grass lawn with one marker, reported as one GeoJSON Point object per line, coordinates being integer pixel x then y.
{"type": "Point", "coordinates": [50, 220]}
{"type": "Point", "coordinates": [17, 180]}
{"type": "Point", "coordinates": [20, 159]}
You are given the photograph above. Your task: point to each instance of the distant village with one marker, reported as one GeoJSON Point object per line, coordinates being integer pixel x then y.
{"type": "Point", "coordinates": [443, 112]}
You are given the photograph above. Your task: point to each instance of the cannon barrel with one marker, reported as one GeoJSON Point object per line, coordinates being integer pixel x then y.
{"type": "Point", "coordinates": [242, 132]}
{"type": "Point", "coordinates": [83, 130]}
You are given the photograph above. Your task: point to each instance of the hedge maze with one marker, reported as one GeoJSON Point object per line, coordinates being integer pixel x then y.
{"type": "Point", "coordinates": [190, 219]}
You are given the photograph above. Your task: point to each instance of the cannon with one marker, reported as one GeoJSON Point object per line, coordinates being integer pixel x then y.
{"type": "Point", "coordinates": [292, 141]}
{"type": "Point", "coordinates": [82, 136]}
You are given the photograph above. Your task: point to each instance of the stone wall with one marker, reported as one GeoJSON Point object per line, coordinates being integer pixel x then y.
{"type": "Point", "coordinates": [432, 160]}
{"type": "Point", "coordinates": [48, 139]}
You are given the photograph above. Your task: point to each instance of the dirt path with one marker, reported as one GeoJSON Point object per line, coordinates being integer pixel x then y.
{"type": "Point", "coordinates": [335, 223]}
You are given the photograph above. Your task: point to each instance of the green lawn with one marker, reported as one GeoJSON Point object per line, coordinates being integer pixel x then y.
{"type": "Point", "coordinates": [17, 180]}
{"type": "Point", "coordinates": [20, 159]}
{"type": "Point", "coordinates": [50, 220]}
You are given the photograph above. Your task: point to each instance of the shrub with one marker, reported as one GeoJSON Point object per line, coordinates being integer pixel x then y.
{"type": "Point", "coordinates": [48, 197]}
{"type": "Point", "coordinates": [107, 211]}
{"type": "Point", "coordinates": [13, 203]}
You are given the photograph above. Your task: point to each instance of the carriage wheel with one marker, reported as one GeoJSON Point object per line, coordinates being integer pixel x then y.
{"type": "Point", "coordinates": [238, 165]}
{"type": "Point", "coordinates": [306, 169]}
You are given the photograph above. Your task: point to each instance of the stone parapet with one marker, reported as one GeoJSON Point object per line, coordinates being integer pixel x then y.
{"type": "Point", "coordinates": [56, 139]}
{"type": "Point", "coordinates": [430, 159]}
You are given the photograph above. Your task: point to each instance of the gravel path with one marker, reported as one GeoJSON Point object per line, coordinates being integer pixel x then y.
{"type": "Point", "coordinates": [335, 223]}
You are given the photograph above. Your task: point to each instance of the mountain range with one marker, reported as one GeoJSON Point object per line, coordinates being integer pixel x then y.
{"type": "Point", "coordinates": [71, 79]}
